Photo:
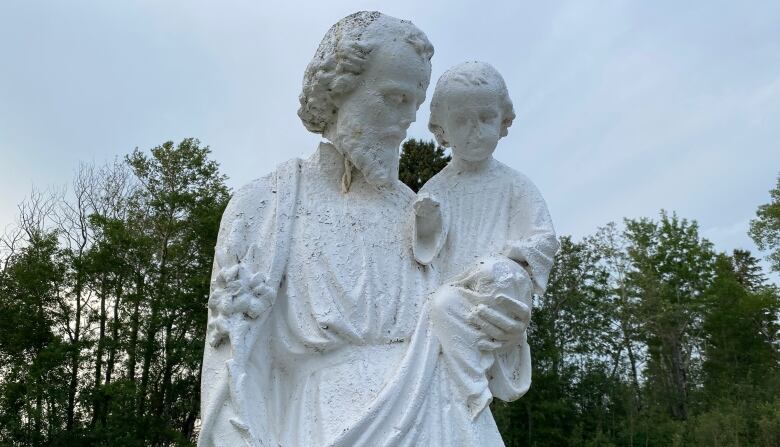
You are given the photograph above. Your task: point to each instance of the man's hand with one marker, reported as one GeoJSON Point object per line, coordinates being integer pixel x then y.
{"type": "Point", "coordinates": [502, 322]}
{"type": "Point", "coordinates": [493, 298]}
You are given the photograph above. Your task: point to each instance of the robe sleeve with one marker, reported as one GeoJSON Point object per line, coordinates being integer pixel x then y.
{"type": "Point", "coordinates": [532, 243]}
{"type": "Point", "coordinates": [246, 236]}
{"type": "Point", "coordinates": [245, 248]}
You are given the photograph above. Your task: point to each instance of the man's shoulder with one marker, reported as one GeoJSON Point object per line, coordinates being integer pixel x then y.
{"type": "Point", "coordinates": [260, 190]}
{"type": "Point", "coordinates": [403, 191]}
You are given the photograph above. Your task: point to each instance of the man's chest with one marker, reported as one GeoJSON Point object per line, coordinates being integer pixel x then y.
{"type": "Point", "coordinates": [347, 231]}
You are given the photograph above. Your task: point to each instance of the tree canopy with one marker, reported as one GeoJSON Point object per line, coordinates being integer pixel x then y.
{"type": "Point", "coordinates": [646, 335]}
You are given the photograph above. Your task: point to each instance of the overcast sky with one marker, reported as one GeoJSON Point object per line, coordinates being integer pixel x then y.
{"type": "Point", "coordinates": [623, 108]}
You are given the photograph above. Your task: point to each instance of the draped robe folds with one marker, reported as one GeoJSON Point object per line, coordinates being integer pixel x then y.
{"type": "Point", "coordinates": [490, 211]}
{"type": "Point", "coordinates": [345, 355]}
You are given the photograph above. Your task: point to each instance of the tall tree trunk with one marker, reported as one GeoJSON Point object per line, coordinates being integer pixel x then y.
{"type": "Point", "coordinates": [165, 387]}
{"type": "Point", "coordinates": [679, 379]}
{"type": "Point", "coordinates": [529, 413]}
{"type": "Point", "coordinates": [97, 399]}
{"type": "Point", "coordinates": [152, 329]}
{"type": "Point", "coordinates": [37, 421]}
{"type": "Point", "coordinates": [75, 353]}
{"type": "Point", "coordinates": [135, 326]}
{"type": "Point", "coordinates": [112, 347]}
{"type": "Point", "coordinates": [149, 348]}
{"type": "Point", "coordinates": [634, 374]}
{"type": "Point", "coordinates": [188, 427]}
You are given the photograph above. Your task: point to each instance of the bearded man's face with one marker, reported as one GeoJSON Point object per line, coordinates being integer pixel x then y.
{"type": "Point", "coordinates": [373, 119]}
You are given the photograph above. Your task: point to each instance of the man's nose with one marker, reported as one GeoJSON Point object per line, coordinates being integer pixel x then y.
{"type": "Point", "coordinates": [409, 115]}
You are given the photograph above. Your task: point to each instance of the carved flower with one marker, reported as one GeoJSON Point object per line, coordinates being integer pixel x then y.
{"type": "Point", "coordinates": [236, 293]}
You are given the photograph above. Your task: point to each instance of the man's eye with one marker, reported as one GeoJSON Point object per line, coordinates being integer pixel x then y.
{"type": "Point", "coordinates": [396, 98]}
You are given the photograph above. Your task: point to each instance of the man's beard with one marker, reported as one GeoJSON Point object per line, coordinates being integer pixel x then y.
{"type": "Point", "coordinates": [376, 159]}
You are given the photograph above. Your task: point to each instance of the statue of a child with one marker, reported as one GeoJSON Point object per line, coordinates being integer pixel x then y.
{"type": "Point", "coordinates": [479, 211]}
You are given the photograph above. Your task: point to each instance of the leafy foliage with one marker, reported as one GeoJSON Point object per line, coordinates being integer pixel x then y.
{"type": "Point", "coordinates": [420, 160]}
{"type": "Point", "coordinates": [765, 228]}
{"type": "Point", "coordinates": [646, 336]}
{"type": "Point", "coordinates": [103, 330]}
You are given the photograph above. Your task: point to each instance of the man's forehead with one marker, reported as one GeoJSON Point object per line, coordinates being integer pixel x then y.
{"type": "Point", "coordinates": [400, 84]}
{"type": "Point", "coordinates": [398, 60]}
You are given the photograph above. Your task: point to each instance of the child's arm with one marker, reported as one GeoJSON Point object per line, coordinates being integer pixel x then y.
{"type": "Point", "coordinates": [531, 239]}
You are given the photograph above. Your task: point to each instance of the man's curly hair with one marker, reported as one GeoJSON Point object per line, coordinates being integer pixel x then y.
{"type": "Point", "coordinates": [341, 58]}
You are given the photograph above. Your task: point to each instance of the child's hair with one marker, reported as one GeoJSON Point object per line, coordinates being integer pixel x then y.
{"type": "Point", "coordinates": [467, 74]}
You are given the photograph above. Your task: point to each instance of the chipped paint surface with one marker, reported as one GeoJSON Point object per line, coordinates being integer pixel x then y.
{"type": "Point", "coordinates": [323, 327]}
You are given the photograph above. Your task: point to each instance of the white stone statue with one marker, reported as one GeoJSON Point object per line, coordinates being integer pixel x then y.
{"type": "Point", "coordinates": [323, 329]}
{"type": "Point", "coordinates": [478, 211]}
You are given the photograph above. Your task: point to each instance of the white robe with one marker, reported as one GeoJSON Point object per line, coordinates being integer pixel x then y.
{"type": "Point", "coordinates": [345, 356]}
{"type": "Point", "coordinates": [493, 211]}
{"type": "Point", "coordinates": [487, 212]}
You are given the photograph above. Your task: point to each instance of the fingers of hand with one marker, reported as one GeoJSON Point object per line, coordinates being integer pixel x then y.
{"type": "Point", "coordinates": [487, 328]}
{"type": "Point", "coordinates": [466, 278]}
{"type": "Point", "coordinates": [426, 202]}
{"type": "Point", "coordinates": [502, 322]}
{"type": "Point", "coordinates": [475, 298]}
{"type": "Point", "coordinates": [516, 308]}
{"type": "Point", "coordinates": [488, 345]}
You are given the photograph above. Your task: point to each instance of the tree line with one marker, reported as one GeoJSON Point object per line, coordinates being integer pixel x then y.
{"type": "Point", "coordinates": [646, 336]}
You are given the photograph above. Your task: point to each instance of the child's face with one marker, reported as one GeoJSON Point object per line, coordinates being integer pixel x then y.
{"type": "Point", "coordinates": [473, 122]}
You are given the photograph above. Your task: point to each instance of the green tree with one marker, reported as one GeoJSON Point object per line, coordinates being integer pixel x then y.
{"type": "Point", "coordinates": [740, 368]}
{"type": "Point", "coordinates": [765, 228]}
{"type": "Point", "coordinates": [644, 337]}
{"type": "Point", "coordinates": [741, 330]}
{"type": "Point", "coordinates": [573, 391]}
{"type": "Point", "coordinates": [103, 291]}
{"type": "Point", "coordinates": [33, 395]}
{"type": "Point", "coordinates": [420, 160]}
{"type": "Point", "coordinates": [672, 270]}
{"type": "Point", "coordinates": [178, 206]}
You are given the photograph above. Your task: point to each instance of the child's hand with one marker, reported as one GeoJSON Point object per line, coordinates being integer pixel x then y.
{"type": "Point", "coordinates": [427, 207]}
{"type": "Point", "coordinates": [429, 229]}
